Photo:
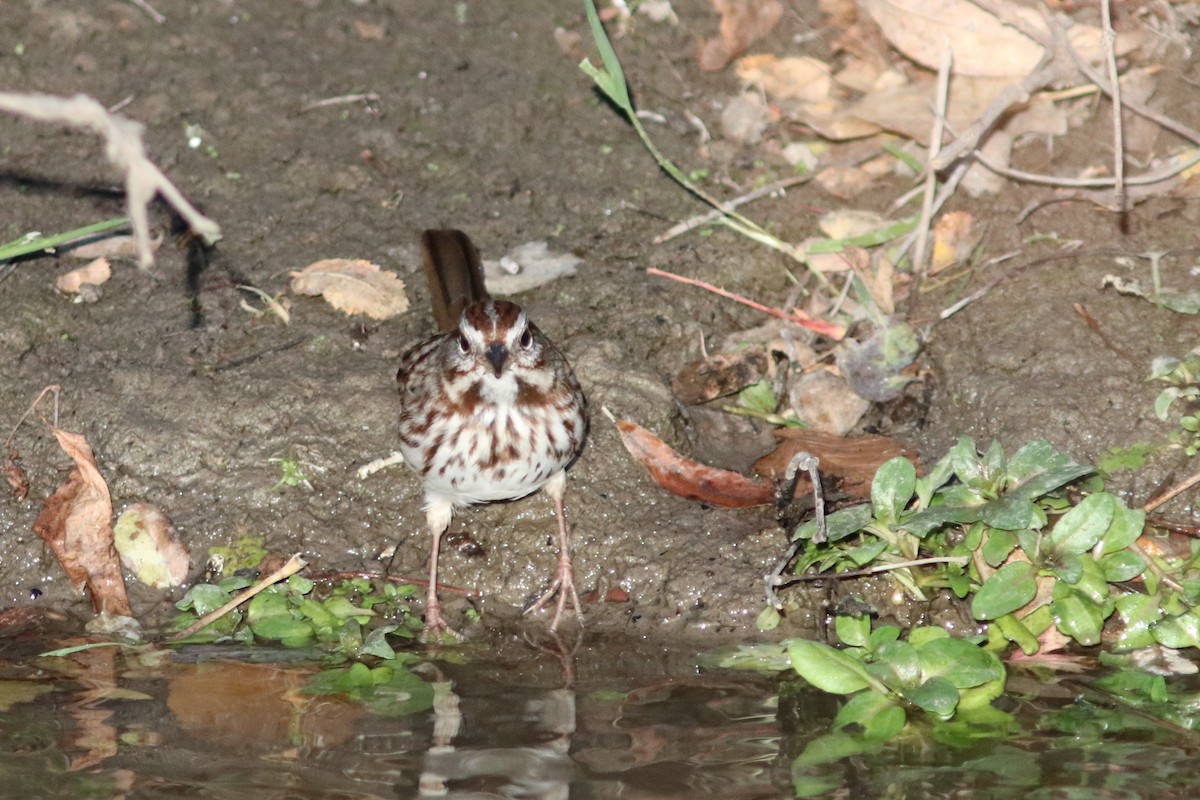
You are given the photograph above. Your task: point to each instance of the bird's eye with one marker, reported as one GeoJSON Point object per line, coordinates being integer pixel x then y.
{"type": "Point", "coordinates": [526, 338]}
{"type": "Point", "coordinates": [464, 344]}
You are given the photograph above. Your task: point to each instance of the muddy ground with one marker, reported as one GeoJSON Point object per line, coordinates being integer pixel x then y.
{"type": "Point", "coordinates": [483, 123]}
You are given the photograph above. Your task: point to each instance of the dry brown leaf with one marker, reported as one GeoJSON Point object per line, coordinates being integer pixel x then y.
{"type": "Point", "coordinates": [353, 286]}
{"type": "Point", "coordinates": [691, 479]}
{"type": "Point", "coordinates": [95, 272]}
{"type": "Point", "coordinates": [113, 247]}
{"type": "Point", "coordinates": [981, 44]}
{"type": "Point", "coordinates": [150, 547]}
{"type": "Point", "coordinates": [742, 22]}
{"type": "Point", "coordinates": [14, 473]}
{"type": "Point", "coordinates": [76, 523]}
{"type": "Point", "coordinates": [955, 236]}
{"type": "Point", "coordinates": [793, 78]}
{"type": "Point", "coordinates": [851, 462]}
{"type": "Point", "coordinates": [719, 375]}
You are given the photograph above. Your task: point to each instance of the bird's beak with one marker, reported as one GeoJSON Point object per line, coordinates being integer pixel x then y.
{"type": "Point", "coordinates": [497, 354]}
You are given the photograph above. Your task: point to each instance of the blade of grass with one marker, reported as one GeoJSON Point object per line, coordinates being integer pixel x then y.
{"type": "Point", "coordinates": [26, 245]}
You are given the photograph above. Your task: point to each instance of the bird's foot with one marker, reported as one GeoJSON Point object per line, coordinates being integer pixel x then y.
{"type": "Point", "coordinates": [564, 587]}
{"type": "Point", "coordinates": [437, 630]}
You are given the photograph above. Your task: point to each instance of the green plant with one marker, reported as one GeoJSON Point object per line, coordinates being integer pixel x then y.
{"type": "Point", "coordinates": [1183, 375]}
{"type": "Point", "coordinates": [294, 614]}
{"type": "Point", "coordinates": [1032, 544]}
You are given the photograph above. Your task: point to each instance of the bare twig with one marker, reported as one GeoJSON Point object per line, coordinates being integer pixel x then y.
{"type": "Point", "coordinates": [710, 216]}
{"type": "Point", "coordinates": [831, 329]}
{"type": "Point", "coordinates": [54, 389]}
{"type": "Point", "coordinates": [1175, 490]}
{"type": "Point", "coordinates": [124, 148]}
{"type": "Point", "coordinates": [369, 97]}
{"type": "Point", "coordinates": [935, 146]}
{"type": "Point", "coordinates": [1109, 39]}
{"type": "Point", "coordinates": [150, 11]}
{"type": "Point", "coordinates": [293, 565]}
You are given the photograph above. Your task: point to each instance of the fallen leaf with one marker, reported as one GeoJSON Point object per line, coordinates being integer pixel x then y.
{"type": "Point", "coordinates": [113, 247]}
{"type": "Point", "coordinates": [875, 368]}
{"type": "Point", "coordinates": [981, 44]}
{"type": "Point", "coordinates": [955, 236]}
{"type": "Point", "coordinates": [691, 479]}
{"type": "Point", "coordinates": [742, 22]}
{"type": "Point", "coordinates": [353, 286]}
{"type": "Point", "coordinates": [76, 523]}
{"type": "Point", "coordinates": [15, 474]}
{"type": "Point", "coordinates": [370, 31]}
{"type": "Point", "coordinates": [719, 375]}
{"type": "Point", "coordinates": [851, 462]}
{"type": "Point", "coordinates": [825, 402]}
{"type": "Point", "coordinates": [794, 78]}
{"type": "Point", "coordinates": [94, 272]}
{"type": "Point", "coordinates": [150, 547]}
{"type": "Point", "coordinates": [528, 266]}
{"type": "Point", "coordinates": [1181, 302]}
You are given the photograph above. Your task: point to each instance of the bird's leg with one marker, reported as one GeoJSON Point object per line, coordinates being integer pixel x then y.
{"type": "Point", "coordinates": [437, 515]}
{"type": "Point", "coordinates": [564, 580]}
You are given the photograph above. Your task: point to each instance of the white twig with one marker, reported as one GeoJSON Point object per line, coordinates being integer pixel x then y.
{"type": "Point", "coordinates": [935, 145]}
{"type": "Point", "coordinates": [1110, 56]}
{"type": "Point", "coordinates": [123, 140]}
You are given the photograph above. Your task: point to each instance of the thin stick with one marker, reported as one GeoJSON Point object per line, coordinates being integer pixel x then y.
{"type": "Point", "coordinates": [293, 565]}
{"type": "Point", "coordinates": [1109, 38]}
{"type": "Point", "coordinates": [52, 388]}
{"type": "Point", "coordinates": [150, 10]}
{"type": "Point", "coordinates": [830, 329]}
{"type": "Point", "coordinates": [368, 97]}
{"type": "Point", "coordinates": [935, 147]}
{"type": "Point", "coordinates": [749, 197]}
{"type": "Point", "coordinates": [1172, 492]}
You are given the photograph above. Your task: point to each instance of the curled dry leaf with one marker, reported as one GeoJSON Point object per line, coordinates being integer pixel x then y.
{"type": "Point", "coordinates": [76, 523]}
{"type": "Point", "coordinates": [94, 272]}
{"type": "Point", "coordinates": [742, 22]}
{"type": "Point", "coordinates": [150, 547]}
{"type": "Point", "coordinates": [794, 78]}
{"type": "Point", "coordinates": [955, 236]}
{"type": "Point", "coordinates": [720, 375]}
{"type": "Point", "coordinates": [691, 479]}
{"type": "Point", "coordinates": [353, 286]}
{"type": "Point", "coordinates": [14, 473]}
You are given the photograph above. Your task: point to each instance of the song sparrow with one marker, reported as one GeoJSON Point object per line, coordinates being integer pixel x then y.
{"type": "Point", "coordinates": [489, 410]}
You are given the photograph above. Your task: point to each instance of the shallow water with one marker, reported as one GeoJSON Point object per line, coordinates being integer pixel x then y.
{"type": "Point", "coordinates": [613, 719]}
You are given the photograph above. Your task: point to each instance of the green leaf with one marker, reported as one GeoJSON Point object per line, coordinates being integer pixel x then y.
{"type": "Point", "coordinates": [830, 670]}
{"type": "Point", "coordinates": [937, 696]}
{"type": "Point", "coordinates": [1179, 631]}
{"type": "Point", "coordinates": [612, 78]}
{"type": "Point", "coordinates": [922, 523]}
{"type": "Point", "coordinates": [892, 489]}
{"type": "Point", "coordinates": [921, 635]}
{"type": "Point", "coordinates": [882, 635]}
{"type": "Point", "coordinates": [1045, 482]}
{"type": "Point", "coordinates": [1127, 526]}
{"type": "Point", "coordinates": [1009, 513]}
{"type": "Point", "coordinates": [839, 524]}
{"type": "Point", "coordinates": [879, 716]}
{"type": "Point", "coordinates": [993, 462]}
{"type": "Point", "coordinates": [961, 662]}
{"type": "Point", "coordinates": [1009, 588]}
{"type": "Point", "coordinates": [896, 665]}
{"type": "Point", "coordinates": [941, 472]}
{"type": "Point", "coordinates": [999, 545]}
{"type": "Point", "coordinates": [1082, 527]}
{"type": "Point", "coordinates": [758, 397]}
{"type": "Point", "coordinates": [854, 631]}
{"type": "Point", "coordinates": [32, 243]}
{"type": "Point", "coordinates": [1076, 616]}
{"type": "Point", "coordinates": [1015, 631]}
{"type": "Point", "coordinates": [831, 748]}
{"type": "Point", "coordinates": [203, 598]}
{"type": "Point", "coordinates": [965, 461]}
